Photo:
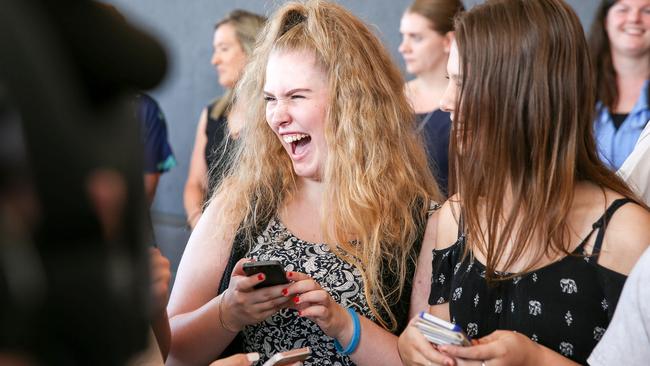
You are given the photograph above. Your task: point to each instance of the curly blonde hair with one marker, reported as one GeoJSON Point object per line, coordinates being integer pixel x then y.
{"type": "Point", "coordinates": [378, 184]}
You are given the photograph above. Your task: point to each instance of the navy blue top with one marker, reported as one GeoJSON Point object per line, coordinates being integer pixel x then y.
{"type": "Point", "coordinates": [158, 155]}
{"type": "Point", "coordinates": [435, 127]}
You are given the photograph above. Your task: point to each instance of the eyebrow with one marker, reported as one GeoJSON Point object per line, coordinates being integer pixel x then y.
{"type": "Point", "coordinates": [292, 91]}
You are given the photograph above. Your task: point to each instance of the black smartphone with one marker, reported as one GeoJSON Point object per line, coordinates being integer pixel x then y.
{"type": "Point", "coordinates": [273, 271]}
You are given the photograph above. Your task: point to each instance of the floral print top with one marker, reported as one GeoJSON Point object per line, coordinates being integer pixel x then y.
{"type": "Point", "coordinates": [565, 306]}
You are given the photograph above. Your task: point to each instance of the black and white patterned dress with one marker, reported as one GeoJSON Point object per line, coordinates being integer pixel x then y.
{"type": "Point", "coordinates": [286, 330]}
{"type": "Point", "coordinates": [565, 306]}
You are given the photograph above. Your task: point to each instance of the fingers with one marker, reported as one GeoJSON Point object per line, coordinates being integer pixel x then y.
{"type": "Point", "coordinates": [238, 360]}
{"type": "Point", "coordinates": [481, 352]}
{"type": "Point", "coordinates": [297, 276]}
{"type": "Point", "coordinates": [302, 284]}
{"type": "Point", "coordinates": [425, 352]}
{"type": "Point", "coordinates": [238, 270]}
{"type": "Point", "coordinates": [414, 349]}
{"type": "Point", "coordinates": [319, 296]}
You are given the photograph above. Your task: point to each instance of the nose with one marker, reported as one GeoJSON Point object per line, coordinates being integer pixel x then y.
{"type": "Point", "coordinates": [403, 46]}
{"type": "Point", "coordinates": [448, 101]}
{"type": "Point", "coordinates": [279, 113]}
{"type": "Point", "coordinates": [215, 59]}
{"type": "Point", "coordinates": [634, 15]}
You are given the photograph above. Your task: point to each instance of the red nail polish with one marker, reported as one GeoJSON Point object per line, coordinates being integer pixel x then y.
{"type": "Point", "coordinates": [285, 292]}
{"type": "Point", "coordinates": [290, 274]}
{"type": "Point", "coordinates": [260, 276]}
{"type": "Point", "coordinates": [296, 299]}
{"type": "Point", "coordinates": [299, 313]}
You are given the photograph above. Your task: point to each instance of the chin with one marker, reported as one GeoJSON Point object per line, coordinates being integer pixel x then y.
{"type": "Point", "coordinates": [226, 83]}
{"type": "Point", "coordinates": [306, 173]}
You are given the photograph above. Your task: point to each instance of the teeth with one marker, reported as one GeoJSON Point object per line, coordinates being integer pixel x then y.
{"type": "Point", "coordinates": [292, 138]}
{"type": "Point", "coordinates": [633, 31]}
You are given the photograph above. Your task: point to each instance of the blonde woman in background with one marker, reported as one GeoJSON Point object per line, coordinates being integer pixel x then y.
{"type": "Point", "coordinates": [233, 43]}
{"type": "Point", "coordinates": [330, 179]}
{"type": "Point", "coordinates": [427, 31]}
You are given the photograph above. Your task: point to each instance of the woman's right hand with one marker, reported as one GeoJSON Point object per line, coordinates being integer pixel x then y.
{"type": "Point", "coordinates": [243, 305]}
{"type": "Point", "coordinates": [414, 349]}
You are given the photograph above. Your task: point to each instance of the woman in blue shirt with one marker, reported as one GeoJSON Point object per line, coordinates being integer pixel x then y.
{"type": "Point", "coordinates": [620, 50]}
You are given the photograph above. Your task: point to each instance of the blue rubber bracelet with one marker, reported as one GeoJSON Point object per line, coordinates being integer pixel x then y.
{"type": "Point", "coordinates": [356, 334]}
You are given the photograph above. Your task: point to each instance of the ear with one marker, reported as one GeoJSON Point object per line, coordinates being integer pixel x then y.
{"type": "Point", "coordinates": [448, 39]}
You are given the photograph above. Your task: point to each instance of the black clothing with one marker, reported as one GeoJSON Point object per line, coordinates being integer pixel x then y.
{"type": "Point", "coordinates": [342, 280]}
{"type": "Point", "coordinates": [435, 127]}
{"type": "Point", "coordinates": [565, 306]}
{"type": "Point", "coordinates": [618, 119]}
{"type": "Point", "coordinates": [217, 148]}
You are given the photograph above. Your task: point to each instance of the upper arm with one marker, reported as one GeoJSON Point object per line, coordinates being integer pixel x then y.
{"type": "Point", "coordinates": [198, 168]}
{"type": "Point", "coordinates": [204, 260]}
{"type": "Point", "coordinates": [447, 227]}
{"type": "Point", "coordinates": [626, 238]}
{"type": "Point", "coordinates": [422, 279]}
{"type": "Point", "coordinates": [441, 233]}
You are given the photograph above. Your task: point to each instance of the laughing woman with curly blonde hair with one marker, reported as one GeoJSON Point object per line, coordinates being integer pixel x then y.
{"type": "Point", "coordinates": [330, 178]}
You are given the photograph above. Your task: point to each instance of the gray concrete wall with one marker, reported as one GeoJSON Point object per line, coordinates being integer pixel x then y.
{"type": "Point", "coordinates": [185, 28]}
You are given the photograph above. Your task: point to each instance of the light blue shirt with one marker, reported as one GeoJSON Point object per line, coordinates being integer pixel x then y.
{"type": "Point", "coordinates": [614, 145]}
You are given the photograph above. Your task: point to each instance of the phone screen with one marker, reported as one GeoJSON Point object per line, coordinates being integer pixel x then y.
{"type": "Point", "coordinates": [273, 271]}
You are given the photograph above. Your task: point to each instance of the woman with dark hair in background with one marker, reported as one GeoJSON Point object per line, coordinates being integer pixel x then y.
{"type": "Point", "coordinates": [531, 253]}
{"type": "Point", "coordinates": [233, 42]}
{"type": "Point", "coordinates": [620, 51]}
{"type": "Point", "coordinates": [330, 179]}
{"type": "Point", "coordinates": [427, 32]}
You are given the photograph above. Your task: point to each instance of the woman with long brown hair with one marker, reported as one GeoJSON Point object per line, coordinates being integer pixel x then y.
{"type": "Point", "coordinates": [530, 256]}
{"type": "Point", "coordinates": [330, 178]}
{"type": "Point", "coordinates": [620, 49]}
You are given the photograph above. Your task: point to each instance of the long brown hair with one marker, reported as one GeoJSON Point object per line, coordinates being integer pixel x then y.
{"type": "Point", "coordinates": [440, 13]}
{"type": "Point", "coordinates": [601, 57]}
{"type": "Point", "coordinates": [377, 184]}
{"type": "Point", "coordinates": [523, 127]}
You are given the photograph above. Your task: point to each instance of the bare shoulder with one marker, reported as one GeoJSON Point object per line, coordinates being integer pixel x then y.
{"type": "Point", "coordinates": [627, 236]}
{"type": "Point", "coordinates": [447, 223]}
{"type": "Point", "coordinates": [203, 262]}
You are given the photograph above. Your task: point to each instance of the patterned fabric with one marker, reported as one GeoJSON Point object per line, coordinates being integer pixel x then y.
{"type": "Point", "coordinates": [286, 330]}
{"type": "Point", "coordinates": [565, 306]}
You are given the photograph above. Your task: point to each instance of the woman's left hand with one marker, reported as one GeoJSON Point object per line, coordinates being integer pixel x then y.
{"type": "Point", "coordinates": [500, 348]}
{"type": "Point", "coordinates": [314, 303]}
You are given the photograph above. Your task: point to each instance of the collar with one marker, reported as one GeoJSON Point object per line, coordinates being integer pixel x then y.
{"type": "Point", "coordinates": [640, 106]}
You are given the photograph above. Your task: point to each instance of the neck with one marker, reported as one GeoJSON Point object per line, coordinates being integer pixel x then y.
{"type": "Point", "coordinates": [310, 190]}
{"type": "Point", "coordinates": [631, 67]}
{"type": "Point", "coordinates": [434, 79]}
{"type": "Point", "coordinates": [426, 90]}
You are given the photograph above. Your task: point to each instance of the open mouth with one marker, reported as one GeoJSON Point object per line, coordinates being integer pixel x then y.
{"type": "Point", "coordinates": [298, 142]}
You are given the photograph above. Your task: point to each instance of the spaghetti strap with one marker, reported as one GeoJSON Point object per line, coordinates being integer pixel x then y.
{"type": "Point", "coordinates": [601, 224]}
